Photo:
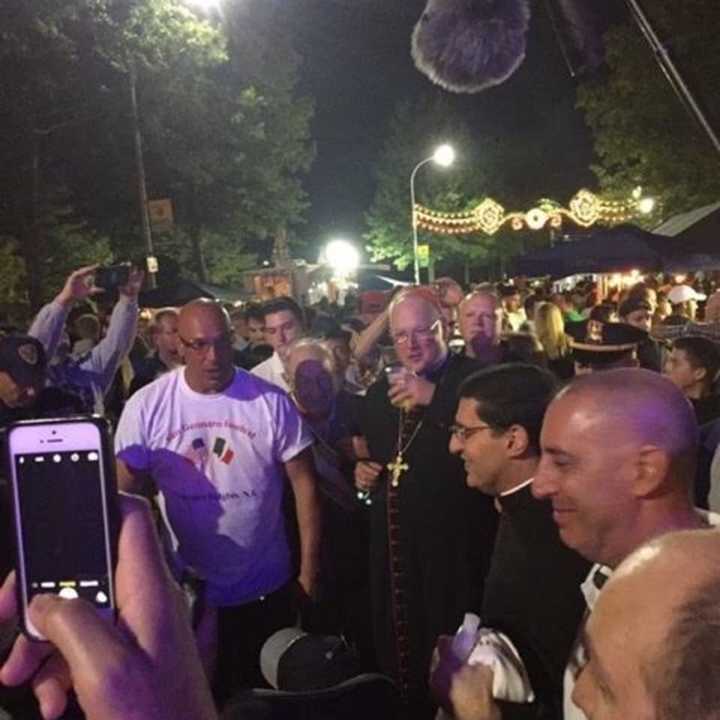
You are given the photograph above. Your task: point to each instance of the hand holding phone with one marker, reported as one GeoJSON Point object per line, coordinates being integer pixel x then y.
{"type": "Point", "coordinates": [145, 666]}
{"type": "Point", "coordinates": [111, 277]}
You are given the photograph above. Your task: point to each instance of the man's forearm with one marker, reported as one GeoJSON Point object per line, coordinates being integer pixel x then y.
{"type": "Point", "coordinates": [307, 505]}
{"type": "Point", "coordinates": [371, 335]}
{"type": "Point", "coordinates": [107, 355]}
{"type": "Point", "coordinates": [47, 327]}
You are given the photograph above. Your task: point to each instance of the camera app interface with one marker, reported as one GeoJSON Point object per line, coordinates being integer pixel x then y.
{"type": "Point", "coordinates": [61, 510]}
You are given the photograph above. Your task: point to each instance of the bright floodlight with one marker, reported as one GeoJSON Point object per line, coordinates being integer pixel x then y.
{"type": "Point", "coordinates": [646, 205]}
{"type": "Point", "coordinates": [444, 156]}
{"type": "Point", "coordinates": [342, 257]}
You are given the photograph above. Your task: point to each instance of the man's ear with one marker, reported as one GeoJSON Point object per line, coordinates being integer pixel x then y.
{"type": "Point", "coordinates": [517, 441]}
{"type": "Point", "coordinates": [699, 373]}
{"type": "Point", "coordinates": [652, 468]}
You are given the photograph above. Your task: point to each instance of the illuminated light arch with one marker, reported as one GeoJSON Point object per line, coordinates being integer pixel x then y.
{"type": "Point", "coordinates": [584, 209]}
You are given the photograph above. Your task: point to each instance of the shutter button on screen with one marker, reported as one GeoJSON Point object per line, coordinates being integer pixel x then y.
{"type": "Point", "coordinates": [68, 593]}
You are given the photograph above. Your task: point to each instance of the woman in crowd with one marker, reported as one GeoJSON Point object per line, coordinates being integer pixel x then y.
{"type": "Point", "coordinates": [550, 331]}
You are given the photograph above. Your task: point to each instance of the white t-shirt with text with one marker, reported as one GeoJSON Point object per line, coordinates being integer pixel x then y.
{"type": "Point", "coordinates": [217, 461]}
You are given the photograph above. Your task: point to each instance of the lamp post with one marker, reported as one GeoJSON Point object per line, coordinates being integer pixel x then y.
{"type": "Point", "coordinates": [141, 183]}
{"type": "Point", "coordinates": [444, 156]}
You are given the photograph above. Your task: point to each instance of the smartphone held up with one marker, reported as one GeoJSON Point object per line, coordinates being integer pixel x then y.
{"type": "Point", "coordinates": [65, 507]}
{"type": "Point", "coordinates": [111, 277]}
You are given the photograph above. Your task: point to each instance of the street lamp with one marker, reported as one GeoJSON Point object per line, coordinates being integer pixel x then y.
{"type": "Point", "coordinates": [343, 257]}
{"type": "Point", "coordinates": [646, 205]}
{"type": "Point", "coordinates": [444, 156]}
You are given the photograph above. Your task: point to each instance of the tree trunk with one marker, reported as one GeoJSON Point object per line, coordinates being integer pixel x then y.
{"type": "Point", "coordinates": [140, 174]}
{"type": "Point", "coordinates": [31, 235]}
{"type": "Point", "coordinates": [196, 239]}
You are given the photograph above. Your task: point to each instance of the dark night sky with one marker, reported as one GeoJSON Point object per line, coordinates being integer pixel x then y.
{"type": "Point", "coordinates": [358, 66]}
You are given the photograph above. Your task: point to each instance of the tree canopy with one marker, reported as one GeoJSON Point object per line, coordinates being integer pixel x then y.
{"type": "Point", "coordinates": [644, 136]}
{"type": "Point", "coordinates": [226, 135]}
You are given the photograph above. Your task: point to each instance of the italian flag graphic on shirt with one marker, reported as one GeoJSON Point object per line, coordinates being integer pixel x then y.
{"type": "Point", "coordinates": [221, 449]}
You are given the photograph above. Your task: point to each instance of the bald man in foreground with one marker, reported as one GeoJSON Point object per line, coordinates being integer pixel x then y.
{"type": "Point", "coordinates": [665, 666]}
{"type": "Point", "coordinates": [618, 460]}
{"type": "Point", "coordinates": [218, 444]}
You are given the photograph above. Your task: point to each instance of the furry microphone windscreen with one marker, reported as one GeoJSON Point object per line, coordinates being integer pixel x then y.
{"type": "Point", "coordinates": [469, 45]}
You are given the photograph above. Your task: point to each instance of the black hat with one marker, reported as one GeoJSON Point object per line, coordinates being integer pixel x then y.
{"type": "Point", "coordinates": [595, 342]}
{"type": "Point", "coordinates": [23, 358]}
{"type": "Point", "coordinates": [294, 660]}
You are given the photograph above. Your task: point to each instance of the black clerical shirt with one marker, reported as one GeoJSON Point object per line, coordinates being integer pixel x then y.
{"type": "Point", "coordinates": [532, 594]}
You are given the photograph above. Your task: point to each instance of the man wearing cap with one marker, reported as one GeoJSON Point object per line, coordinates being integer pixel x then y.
{"type": "Point", "coordinates": [22, 375]}
{"type": "Point", "coordinates": [602, 346]}
{"type": "Point", "coordinates": [638, 312]}
{"type": "Point", "coordinates": [23, 396]}
{"type": "Point", "coordinates": [684, 301]}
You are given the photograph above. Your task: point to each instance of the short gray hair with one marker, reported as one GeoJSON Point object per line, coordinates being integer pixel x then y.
{"type": "Point", "coordinates": [684, 682]}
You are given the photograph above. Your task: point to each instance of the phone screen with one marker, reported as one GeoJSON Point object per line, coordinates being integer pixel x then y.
{"type": "Point", "coordinates": [63, 524]}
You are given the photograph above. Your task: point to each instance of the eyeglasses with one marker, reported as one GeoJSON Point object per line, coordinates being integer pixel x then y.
{"type": "Point", "coordinates": [422, 334]}
{"type": "Point", "coordinates": [463, 433]}
{"type": "Point", "coordinates": [203, 346]}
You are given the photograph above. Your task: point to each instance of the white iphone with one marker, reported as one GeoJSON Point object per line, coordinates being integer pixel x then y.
{"type": "Point", "coordinates": [64, 498]}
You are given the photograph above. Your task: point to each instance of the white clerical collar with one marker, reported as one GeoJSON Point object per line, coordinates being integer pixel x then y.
{"type": "Point", "coordinates": [517, 488]}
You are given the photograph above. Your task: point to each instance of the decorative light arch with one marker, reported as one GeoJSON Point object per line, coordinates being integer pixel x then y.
{"type": "Point", "coordinates": [585, 209]}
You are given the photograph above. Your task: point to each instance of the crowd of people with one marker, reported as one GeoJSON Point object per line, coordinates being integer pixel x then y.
{"type": "Point", "coordinates": [499, 498]}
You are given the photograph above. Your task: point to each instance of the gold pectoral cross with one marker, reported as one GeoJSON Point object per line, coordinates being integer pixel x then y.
{"type": "Point", "coordinates": [397, 468]}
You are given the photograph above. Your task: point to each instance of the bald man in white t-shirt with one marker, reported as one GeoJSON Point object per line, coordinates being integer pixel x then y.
{"type": "Point", "coordinates": [218, 444]}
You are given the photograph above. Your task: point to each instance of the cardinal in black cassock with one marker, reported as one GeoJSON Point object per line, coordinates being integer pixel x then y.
{"type": "Point", "coordinates": [431, 536]}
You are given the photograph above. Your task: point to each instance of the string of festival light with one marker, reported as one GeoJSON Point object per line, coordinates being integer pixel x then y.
{"type": "Point", "coordinates": [584, 209]}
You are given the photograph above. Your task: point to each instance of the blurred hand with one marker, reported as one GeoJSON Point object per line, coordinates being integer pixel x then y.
{"type": "Point", "coordinates": [411, 391]}
{"type": "Point", "coordinates": [308, 588]}
{"type": "Point", "coordinates": [144, 667]}
{"type": "Point", "coordinates": [443, 666]}
{"type": "Point", "coordinates": [79, 286]}
{"type": "Point", "coordinates": [367, 474]}
{"type": "Point", "coordinates": [465, 691]}
{"type": "Point", "coordinates": [471, 695]}
{"type": "Point", "coordinates": [134, 284]}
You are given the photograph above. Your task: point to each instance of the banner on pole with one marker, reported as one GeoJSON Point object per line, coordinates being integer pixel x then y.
{"type": "Point", "coordinates": [161, 215]}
